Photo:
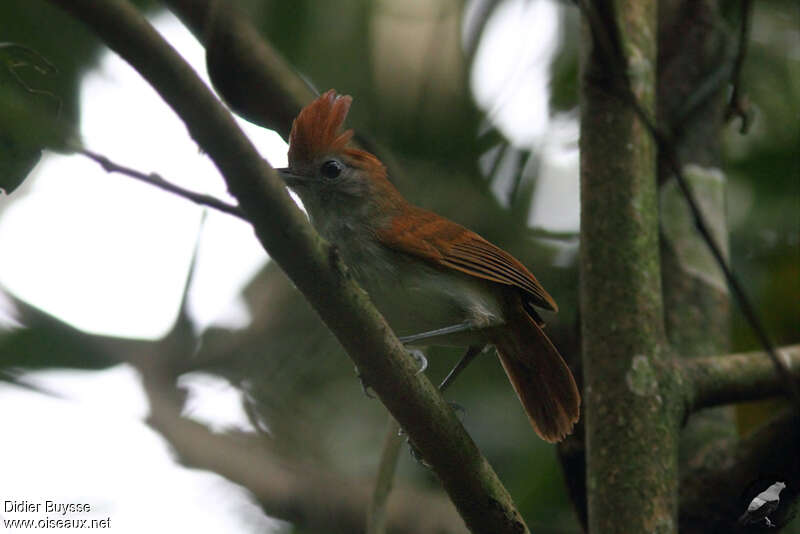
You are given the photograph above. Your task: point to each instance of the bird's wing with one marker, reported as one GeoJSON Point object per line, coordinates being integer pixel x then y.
{"type": "Point", "coordinates": [446, 244]}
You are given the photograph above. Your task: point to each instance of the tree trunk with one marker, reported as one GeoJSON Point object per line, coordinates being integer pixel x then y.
{"type": "Point", "coordinates": [632, 403]}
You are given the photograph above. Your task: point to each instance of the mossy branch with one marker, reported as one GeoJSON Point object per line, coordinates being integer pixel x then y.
{"type": "Point", "coordinates": [720, 380]}
{"type": "Point", "coordinates": [632, 403]}
{"type": "Point", "coordinates": [314, 266]}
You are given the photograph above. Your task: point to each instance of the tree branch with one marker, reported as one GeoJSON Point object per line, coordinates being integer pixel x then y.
{"type": "Point", "coordinates": [605, 43]}
{"type": "Point", "coordinates": [314, 267]}
{"type": "Point", "coordinates": [384, 479]}
{"type": "Point", "coordinates": [632, 411]}
{"type": "Point", "coordinates": [254, 80]}
{"type": "Point", "coordinates": [719, 380]}
{"type": "Point", "coordinates": [157, 181]}
{"type": "Point", "coordinates": [738, 105]}
{"type": "Point", "coordinates": [252, 77]}
{"type": "Point", "coordinates": [288, 489]}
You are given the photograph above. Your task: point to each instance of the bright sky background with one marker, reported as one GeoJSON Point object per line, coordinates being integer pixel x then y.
{"type": "Point", "coordinates": [511, 82]}
{"type": "Point", "coordinates": [110, 256]}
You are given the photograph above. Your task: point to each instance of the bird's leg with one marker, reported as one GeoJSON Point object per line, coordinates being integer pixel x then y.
{"type": "Point", "coordinates": [417, 354]}
{"type": "Point", "coordinates": [453, 329]}
{"type": "Point", "coordinates": [466, 359]}
{"type": "Point", "coordinates": [472, 352]}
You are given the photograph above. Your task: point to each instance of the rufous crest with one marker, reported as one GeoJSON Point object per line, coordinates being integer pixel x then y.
{"type": "Point", "coordinates": [317, 129]}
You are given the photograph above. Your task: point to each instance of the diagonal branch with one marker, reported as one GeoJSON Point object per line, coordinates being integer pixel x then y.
{"type": "Point", "coordinates": [384, 481]}
{"type": "Point", "coordinates": [157, 181]}
{"type": "Point", "coordinates": [291, 489]}
{"type": "Point", "coordinates": [252, 77]}
{"type": "Point", "coordinates": [314, 267]}
{"type": "Point", "coordinates": [738, 105]}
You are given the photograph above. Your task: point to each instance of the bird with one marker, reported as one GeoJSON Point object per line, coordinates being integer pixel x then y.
{"type": "Point", "coordinates": [434, 281]}
{"type": "Point", "coordinates": [762, 505]}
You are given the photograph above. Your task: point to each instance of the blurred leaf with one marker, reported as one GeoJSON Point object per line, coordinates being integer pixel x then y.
{"type": "Point", "coordinates": [29, 115]}
{"type": "Point", "coordinates": [28, 124]}
{"type": "Point", "coordinates": [45, 342]}
{"type": "Point", "coordinates": [15, 164]}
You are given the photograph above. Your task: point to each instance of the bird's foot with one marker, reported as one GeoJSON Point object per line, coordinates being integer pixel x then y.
{"type": "Point", "coordinates": [364, 386]}
{"type": "Point", "coordinates": [420, 358]}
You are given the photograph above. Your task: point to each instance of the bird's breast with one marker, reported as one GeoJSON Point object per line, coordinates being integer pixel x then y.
{"type": "Point", "coordinates": [415, 296]}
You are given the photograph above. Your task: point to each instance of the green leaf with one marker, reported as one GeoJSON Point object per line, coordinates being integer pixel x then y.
{"type": "Point", "coordinates": [29, 115]}
{"type": "Point", "coordinates": [16, 163]}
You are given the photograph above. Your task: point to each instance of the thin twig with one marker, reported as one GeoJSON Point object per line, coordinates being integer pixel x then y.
{"type": "Point", "coordinates": [666, 146]}
{"type": "Point", "coordinates": [184, 318]}
{"type": "Point", "coordinates": [519, 199]}
{"type": "Point", "coordinates": [384, 480]}
{"type": "Point", "coordinates": [705, 90]}
{"type": "Point", "coordinates": [505, 146]}
{"type": "Point", "coordinates": [738, 106]}
{"type": "Point", "coordinates": [157, 181]}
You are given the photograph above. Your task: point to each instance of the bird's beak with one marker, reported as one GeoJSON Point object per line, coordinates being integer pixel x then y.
{"type": "Point", "coordinates": [290, 178]}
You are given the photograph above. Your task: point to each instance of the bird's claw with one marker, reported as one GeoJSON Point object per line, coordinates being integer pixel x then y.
{"type": "Point", "coordinates": [364, 386]}
{"type": "Point", "coordinates": [416, 455]}
{"type": "Point", "coordinates": [420, 359]}
{"type": "Point", "coordinates": [413, 450]}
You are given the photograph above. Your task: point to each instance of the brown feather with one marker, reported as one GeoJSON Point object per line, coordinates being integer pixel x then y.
{"type": "Point", "coordinates": [540, 376]}
{"type": "Point", "coordinates": [316, 130]}
{"type": "Point", "coordinates": [362, 159]}
{"type": "Point", "coordinates": [446, 244]}
{"type": "Point", "coordinates": [542, 380]}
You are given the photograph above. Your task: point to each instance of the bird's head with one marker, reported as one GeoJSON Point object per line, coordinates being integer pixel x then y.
{"type": "Point", "coordinates": [332, 178]}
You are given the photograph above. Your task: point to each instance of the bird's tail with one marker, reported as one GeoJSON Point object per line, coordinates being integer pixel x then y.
{"type": "Point", "coordinates": [540, 376]}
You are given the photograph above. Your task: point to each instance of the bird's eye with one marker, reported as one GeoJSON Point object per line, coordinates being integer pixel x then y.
{"type": "Point", "coordinates": [331, 169]}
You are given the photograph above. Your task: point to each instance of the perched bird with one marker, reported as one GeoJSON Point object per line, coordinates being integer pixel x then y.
{"type": "Point", "coordinates": [435, 282]}
{"type": "Point", "coordinates": [762, 505]}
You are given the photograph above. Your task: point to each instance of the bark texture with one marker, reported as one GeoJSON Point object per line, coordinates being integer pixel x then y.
{"type": "Point", "coordinates": [631, 413]}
